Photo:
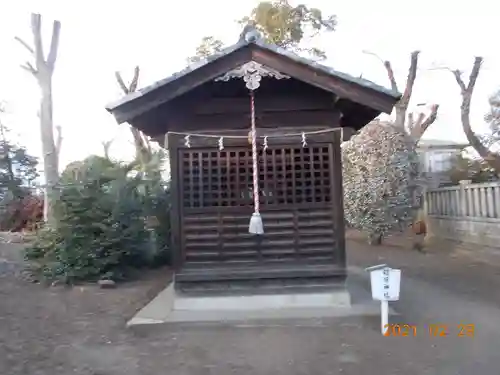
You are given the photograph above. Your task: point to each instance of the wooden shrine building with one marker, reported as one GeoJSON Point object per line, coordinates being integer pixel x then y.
{"type": "Point", "coordinates": [299, 109]}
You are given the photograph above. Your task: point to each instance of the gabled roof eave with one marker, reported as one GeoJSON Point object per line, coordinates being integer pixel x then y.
{"type": "Point", "coordinates": [165, 81]}
{"type": "Point", "coordinates": [363, 83]}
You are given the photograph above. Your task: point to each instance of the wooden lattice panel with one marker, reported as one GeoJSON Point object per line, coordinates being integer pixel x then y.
{"type": "Point", "coordinates": [287, 176]}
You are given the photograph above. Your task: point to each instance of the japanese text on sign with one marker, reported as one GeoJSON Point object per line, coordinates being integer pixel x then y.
{"type": "Point", "coordinates": [385, 284]}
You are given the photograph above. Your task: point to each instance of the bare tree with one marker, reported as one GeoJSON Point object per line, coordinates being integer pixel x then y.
{"type": "Point", "coordinates": [415, 127]}
{"type": "Point", "coordinates": [141, 142]}
{"type": "Point", "coordinates": [466, 91]}
{"type": "Point", "coordinates": [106, 145]}
{"type": "Point", "coordinates": [43, 70]}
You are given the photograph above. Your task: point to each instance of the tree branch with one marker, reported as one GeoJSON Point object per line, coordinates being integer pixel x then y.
{"type": "Point", "coordinates": [390, 74]}
{"type": "Point", "coordinates": [420, 120]}
{"type": "Point", "coordinates": [141, 142]}
{"type": "Point", "coordinates": [122, 85]}
{"type": "Point", "coordinates": [388, 68]}
{"type": "Point", "coordinates": [140, 146]}
{"type": "Point", "coordinates": [411, 122]}
{"type": "Point", "coordinates": [466, 90]}
{"type": "Point", "coordinates": [36, 26]}
{"type": "Point", "coordinates": [135, 80]}
{"type": "Point", "coordinates": [458, 77]}
{"type": "Point", "coordinates": [410, 79]}
{"type": "Point", "coordinates": [106, 145]}
{"type": "Point", "coordinates": [28, 67]}
{"type": "Point", "coordinates": [133, 83]}
{"type": "Point", "coordinates": [478, 61]}
{"type": "Point", "coordinates": [54, 44]}
{"type": "Point", "coordinates": [402, 106]}
{"type": "Point", "coordinates": [419, 127]}
{"type": "Point", "coordinates": [25, 45]}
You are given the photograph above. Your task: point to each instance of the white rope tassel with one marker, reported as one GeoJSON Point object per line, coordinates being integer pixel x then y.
{"type": "Point", "coordinates": [256, 226]}
{"type": "Point", "coordinates": [187, 141]}
{"type": "Point", "coordinates": [221, 143]}
{"type": "Point", "coordinates": [304, 142]}
{"type": "Point", "coordinates": [265, 146]}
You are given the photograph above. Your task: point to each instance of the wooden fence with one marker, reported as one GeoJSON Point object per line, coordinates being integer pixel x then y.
{"type": "Point", "coordinates": [468, 213]}
{"type": "Point", "coordinates": [467, 200]}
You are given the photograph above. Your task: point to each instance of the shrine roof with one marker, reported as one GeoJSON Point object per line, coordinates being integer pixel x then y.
{"type": "Point", "coordinates": [358, 90]}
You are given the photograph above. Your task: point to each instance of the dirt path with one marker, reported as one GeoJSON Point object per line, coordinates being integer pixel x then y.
{"type": "Point", "coordinates": [446, 266]}
{"type": "Point", "coordinates": [448, 289]}
{"type": "Point", "coordinates": [81, 331]}
{"type": "Point", "coordinates": [42, 328]}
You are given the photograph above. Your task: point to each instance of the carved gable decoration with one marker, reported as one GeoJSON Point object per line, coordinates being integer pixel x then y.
{"type": "Point", "coordinates": [252, 73]}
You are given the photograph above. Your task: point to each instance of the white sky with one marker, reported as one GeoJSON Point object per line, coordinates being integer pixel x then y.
{"type": "Point", "coordinates": [98, 38]}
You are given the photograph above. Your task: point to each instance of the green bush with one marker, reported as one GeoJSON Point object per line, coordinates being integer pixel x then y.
{"type": "Point", "coordinates": [102, 231]}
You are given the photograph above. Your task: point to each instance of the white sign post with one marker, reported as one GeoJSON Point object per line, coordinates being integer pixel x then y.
{"type": "Point", "coordinates": [385, 283]}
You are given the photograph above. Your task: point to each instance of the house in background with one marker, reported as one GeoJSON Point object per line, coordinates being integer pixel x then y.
{"type": "Point", "coordinates": [436, 158]}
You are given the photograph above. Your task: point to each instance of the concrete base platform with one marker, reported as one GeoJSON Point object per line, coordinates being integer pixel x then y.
{"type": "Point", "coordinates": [170, 307]}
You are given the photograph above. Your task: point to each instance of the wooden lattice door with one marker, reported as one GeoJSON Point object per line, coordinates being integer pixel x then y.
{"type": "Point", "coordinates": [298, 211]}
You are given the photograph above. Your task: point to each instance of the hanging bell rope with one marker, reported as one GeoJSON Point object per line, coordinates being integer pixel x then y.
{"type": "Point", "coordinates": [256, 226]}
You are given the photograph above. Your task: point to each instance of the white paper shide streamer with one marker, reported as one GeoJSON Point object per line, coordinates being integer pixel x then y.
{"type": "Point", "coordinates": [251, 73]}
{"type": "Point", "coordinates": [304, 141]}
{"type": "Point", "coordinates": [256, 225]}
{"type": "Point", "coordinates": [187, 141]}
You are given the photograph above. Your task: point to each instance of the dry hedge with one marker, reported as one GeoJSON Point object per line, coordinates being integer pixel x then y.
{"type": "Point", "coordinates": [381, 179]}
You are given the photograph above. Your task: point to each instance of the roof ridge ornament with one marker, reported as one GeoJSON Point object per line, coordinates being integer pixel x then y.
{"type": "Point", "coordinates": [252, 73]}
{"type": "Point", "coordinates": [250, 33]}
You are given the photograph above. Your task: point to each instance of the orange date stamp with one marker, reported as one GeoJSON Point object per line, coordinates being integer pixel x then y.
{"type": "Point", "coordinates": [431, 330]}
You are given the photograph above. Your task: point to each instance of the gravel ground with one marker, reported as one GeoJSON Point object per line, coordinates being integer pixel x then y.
{"type": "Point", "coordinates": [54, 330]}
{"type": "Point", "coordinates": [451, 266]}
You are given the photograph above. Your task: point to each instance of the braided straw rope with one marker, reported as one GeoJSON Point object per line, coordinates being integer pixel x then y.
{"type": "Point", "coordinates": [269, 136]}
{"type": "Point", "coordinates": [256, 200]}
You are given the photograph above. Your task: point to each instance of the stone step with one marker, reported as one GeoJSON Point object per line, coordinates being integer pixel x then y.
{"type": "Point", "coordinates": [251, 287]}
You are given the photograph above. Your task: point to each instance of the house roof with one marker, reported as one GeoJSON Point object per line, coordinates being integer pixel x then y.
{"type": "Point", "coordinates": [346, 86]}
{"type": "Point", "coordinates": [441, 143]}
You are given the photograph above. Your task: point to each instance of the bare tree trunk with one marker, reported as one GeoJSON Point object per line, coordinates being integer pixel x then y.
{"type": "Point", "coordinates": [415, 128]}
{"type": "Point", "coordinates": [43, 71]}
{"type": "Point", "coordinates": [401, 107]}
{"type": "Point", "coordinates": [50, 154]}
{"type": "Point", "coordinates": [141, 143]}
{"type": "Point", "coordinates": [466, 91]}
